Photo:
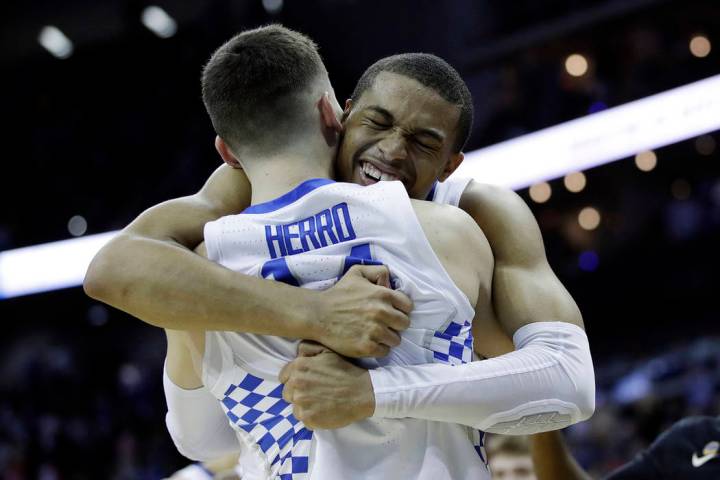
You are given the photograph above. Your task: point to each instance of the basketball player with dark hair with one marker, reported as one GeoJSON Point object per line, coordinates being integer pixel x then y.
{"type": "Point", "coordinates": [404, 130]}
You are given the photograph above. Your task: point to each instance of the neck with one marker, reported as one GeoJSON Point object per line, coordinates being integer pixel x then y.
{"type": "Point", "coordinates": [274, 176]}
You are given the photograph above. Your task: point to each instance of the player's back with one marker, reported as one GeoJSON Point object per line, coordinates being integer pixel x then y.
{"type": "Point", "coordinates": [310, 237]}
{"type": "Point", "coordinates": [460, 246]}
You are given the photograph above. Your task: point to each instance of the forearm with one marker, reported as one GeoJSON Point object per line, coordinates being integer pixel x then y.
{"type": "Point", "coordinates": [169, 286]}
{"type": "Point", "coordinates": [546, 384]}
{"type": "Point", "coordinates": [552, 458]}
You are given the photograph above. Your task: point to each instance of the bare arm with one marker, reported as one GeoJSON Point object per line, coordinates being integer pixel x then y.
{"type": "Point", "coordinates": [552, 458]}
{"type": "Point", "coordinates": [149, 271]}
{"type": "Point", "coordinates": [525, 289]}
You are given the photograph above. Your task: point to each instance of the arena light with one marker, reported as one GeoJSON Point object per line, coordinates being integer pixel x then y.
{"type": "Point", "coordinates": [158, 21]}
{"type": "Point", "coordinates": [576, 65]}
{"type": "Point", "coordinates": [603, 137]}
{"type": "Point", "coordinates": [584, 143]}
{"type": "Point", "coordinates": [49, 266]}
{"type": "Point", "coordinates": [540, 192]}
{"type": "Point", "coordinates": [700, 46]}
{"type": "Point", "coordinates": [589, 218]}
{"type": "Point", "coordinates": [646, 161]}
{"type": "Point", "coordinates": [705, 145]}
{"type": "Point", "coordinates": [575, 182]}
{"type": "Point", "coordinates": [55, 42]}
{"type": "Point", "coordinates": [77, 226]}
{"type": "Point", "coordinates": [273, 7]}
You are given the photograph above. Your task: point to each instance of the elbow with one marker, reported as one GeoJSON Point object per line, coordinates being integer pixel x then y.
{"type": "Point", "coordinates": [103, 279]}
{"type": "Point", "coordinates": [197, 445]}
{"type": "Point", "coordinates": [192, 453]}
{"type": "Point", "coordinates": [579, 368]}
{"type": "Point", "coordinates": [183, 440]}
{"type": "Point", "coordinates": [579, 373]}
{"type": "Point", "coordinates": [98, 280]}
{"type": "Point", "coordinates": [584, 391]}
{"type": "Point", "coordinates": [587, 396]}
{"type": "Point", "coordinates": [94, 284]}
{"type": "Point", "coordinates": [586, 403]}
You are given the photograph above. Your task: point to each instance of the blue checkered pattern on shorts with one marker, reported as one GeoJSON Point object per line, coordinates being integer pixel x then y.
{"type": "Point", "coordinates": [454, 345]}
{"type": "Point", "coordinates": [256, 406]}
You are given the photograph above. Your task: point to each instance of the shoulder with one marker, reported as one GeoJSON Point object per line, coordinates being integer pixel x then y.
{"type": "Point", "coordinates": [453, 224]}
{"type": "Point", "coordinates": [493, 202]}
{"type": "Point", "coordinates": [448, 215]}
{"type": "Point", "coordinates": [506, 219]}
{"type": "Point", "coordinates": [227, 191]}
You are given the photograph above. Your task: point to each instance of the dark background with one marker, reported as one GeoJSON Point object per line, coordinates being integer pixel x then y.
{"type": "Point", "coordinates": [119, 126]}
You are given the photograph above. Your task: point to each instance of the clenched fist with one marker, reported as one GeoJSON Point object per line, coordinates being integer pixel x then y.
{"type": "Point", "coordinates": [360, 316]}
{"type": "Point", "coordinates": [326, 390]}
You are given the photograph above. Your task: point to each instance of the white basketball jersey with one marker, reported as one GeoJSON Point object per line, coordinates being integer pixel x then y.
{"type": "Point", "coordinates": [310, 237]}
{"type": "Point", "coordinates": [449, 191]}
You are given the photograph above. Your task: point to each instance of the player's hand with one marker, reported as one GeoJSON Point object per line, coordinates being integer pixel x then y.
{"type": "Point", "coordinates": [360, 316]}
{"type": "Point", "coordinates": [325, 389]}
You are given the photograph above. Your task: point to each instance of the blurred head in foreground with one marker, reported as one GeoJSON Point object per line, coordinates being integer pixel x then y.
{"type": "Point", "coordinates": [510, 458]}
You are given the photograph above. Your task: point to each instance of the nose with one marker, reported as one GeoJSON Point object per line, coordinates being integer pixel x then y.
{"type": "Point", "coordinates": [393, 147]}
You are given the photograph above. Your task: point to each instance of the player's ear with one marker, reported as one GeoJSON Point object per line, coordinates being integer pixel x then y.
{"type": "Point", "coordinates": [452, 164]}
{"type": "Point", "coordinates": [329, 114]}
{"type": "Point", "coordinates": [346, 111]}
{"type": "Point", "coordinates": [225, 153]}
{"type": "Point", "coordinates": [331, 126]}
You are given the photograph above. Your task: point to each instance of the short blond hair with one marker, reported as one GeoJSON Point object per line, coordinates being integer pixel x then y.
{"type": "Point", "coordinates": [508, 444]}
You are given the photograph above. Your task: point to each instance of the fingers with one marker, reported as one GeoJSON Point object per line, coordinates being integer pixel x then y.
{"type": "Point", "coordinates": [308, 348]}
{"type": "Point", "coordinates": [401, 301]}
{"type": "Point", "coordinates": [375, 349]}
{"type": "Point", "coordinates": [380, 275]}
{"type": "Point", "coordinates": [391, 338]}
{"type": "Point", "coordinates": [287, 394]}
{"type": "Point", "coordinates": [385, 336]}
{"type": "Point", "coordinates": [377, 274]}
{"type": "Point", "coordinates": [285, 373]}
{"type": "Point", "coordinates": [394, 319]}
{"type": "Point", "coordinates": [383, 279]}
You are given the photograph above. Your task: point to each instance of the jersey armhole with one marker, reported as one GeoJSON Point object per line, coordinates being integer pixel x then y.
{"type": "Point", "coordinates": [212, 232]}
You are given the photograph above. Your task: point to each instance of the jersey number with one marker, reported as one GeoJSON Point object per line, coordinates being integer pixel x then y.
{"type": "Point", "coordinates": [278, 269]}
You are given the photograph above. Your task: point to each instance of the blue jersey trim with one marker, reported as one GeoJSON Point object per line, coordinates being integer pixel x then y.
{"type": "Point", "coordinates": [290, 197]}
{"type": "Point", "coordinates": [202, 466]}
{"type": "Point", "coordinates": [431, 193]}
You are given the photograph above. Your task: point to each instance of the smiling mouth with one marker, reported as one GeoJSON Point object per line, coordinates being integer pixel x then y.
{"type": "Point", "coordinates": [375, 174]}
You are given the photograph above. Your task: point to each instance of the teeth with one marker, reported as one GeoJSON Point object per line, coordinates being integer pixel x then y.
{"type": "Point", "coordinates": [376, 174]}
{"type": "Point", "coordinates": [371, 171]}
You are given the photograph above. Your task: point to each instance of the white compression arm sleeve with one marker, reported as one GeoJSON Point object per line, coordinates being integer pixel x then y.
{"type": "Point", "coordinates": [548, 383]}
{"type": "Point", "coordinates": [197, 424]}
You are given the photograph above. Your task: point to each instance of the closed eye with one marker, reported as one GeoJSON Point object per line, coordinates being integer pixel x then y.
{"type": "Point", "coordinates": [377, 125]}
{"type": "Point", "coordinates": [424, 145]}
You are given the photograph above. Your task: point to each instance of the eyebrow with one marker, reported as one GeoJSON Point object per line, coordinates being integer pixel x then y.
{"type": "Point", "coordinates": [431, 132]}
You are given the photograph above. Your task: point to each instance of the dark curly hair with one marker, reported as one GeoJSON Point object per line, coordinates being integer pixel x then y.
{"type": "Point", "coordinates": [433, 72]}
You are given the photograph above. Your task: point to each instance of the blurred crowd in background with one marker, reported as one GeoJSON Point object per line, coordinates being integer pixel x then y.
{"type": "Point", "coordinates": [118, 126]}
